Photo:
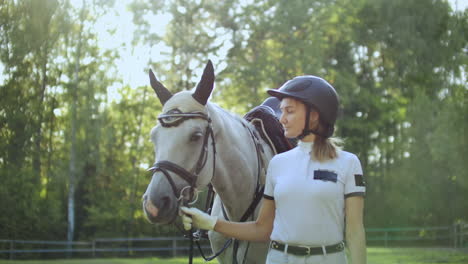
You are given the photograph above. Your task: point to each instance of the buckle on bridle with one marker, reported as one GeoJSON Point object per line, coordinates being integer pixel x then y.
{"type": "Point", "coordinates": [191, 190]}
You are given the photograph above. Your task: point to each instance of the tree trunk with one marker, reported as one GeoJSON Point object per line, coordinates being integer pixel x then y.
{"type": "Point", "coordinates": [50, 149]}
{"type": "Point", "coordinates": [135, 166]}
{"type": "Point", "coordinates": [38, 135]}
{"type": "Point", "coordinates": [72, 166]}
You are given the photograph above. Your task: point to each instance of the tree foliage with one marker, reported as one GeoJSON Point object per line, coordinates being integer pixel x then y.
{"type": "Point", "coordinates": [399, 67]}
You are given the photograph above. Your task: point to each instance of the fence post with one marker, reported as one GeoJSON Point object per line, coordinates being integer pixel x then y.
{"type": "Point", "coordinates": [386, 238]}
{"type": "Point", "coordinates": [94, 248]}
{"type": "Point", "coordinates": [174, 247]}
{"type": "Point", "coordinates": [12, 248]}
{"type": "Point", "coordinates": [455, 235]}
{"type": "Point", "coordinates": [463, 233]}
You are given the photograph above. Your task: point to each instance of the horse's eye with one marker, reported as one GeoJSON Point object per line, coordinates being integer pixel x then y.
{"type": "Point", "coordinates": [196, 136]}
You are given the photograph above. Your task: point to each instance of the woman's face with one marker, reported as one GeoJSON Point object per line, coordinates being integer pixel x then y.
{"type": "Point", "coordinates": [293, 115]}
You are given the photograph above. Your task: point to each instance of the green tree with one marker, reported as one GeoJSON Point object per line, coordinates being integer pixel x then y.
{"type": "Point", "coordinates": [30, 32]}
{"type": "Point", "coordinates": [409, 62]}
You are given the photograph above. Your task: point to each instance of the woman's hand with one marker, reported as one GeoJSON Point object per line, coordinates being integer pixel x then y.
{"type": "Point", "coordinates": [194, 217]}
{"type": "Point", "coordinates": [258, 230]}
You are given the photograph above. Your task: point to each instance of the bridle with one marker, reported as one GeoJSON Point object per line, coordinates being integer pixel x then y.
{"type": "Point", "coordinates": [191, 177]}
{"type": "Point", "coordinates": [173, 120]}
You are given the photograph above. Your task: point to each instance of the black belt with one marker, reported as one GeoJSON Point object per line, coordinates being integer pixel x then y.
{"type": "Point", "coordinates": [304, 251]}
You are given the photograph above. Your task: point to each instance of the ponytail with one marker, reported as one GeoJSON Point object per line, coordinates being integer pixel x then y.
{"type": "Point", "coordinates": [324, 148]}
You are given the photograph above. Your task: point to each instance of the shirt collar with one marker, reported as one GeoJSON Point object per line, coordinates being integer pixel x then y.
{"type": "Point", "coordinates": [305, 146]}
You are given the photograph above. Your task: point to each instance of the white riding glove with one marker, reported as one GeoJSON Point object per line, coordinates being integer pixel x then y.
{"type": "Point", "coordinates": [194, 217]}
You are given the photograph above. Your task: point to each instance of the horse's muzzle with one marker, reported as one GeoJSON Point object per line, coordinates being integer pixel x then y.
{"type": "Point", "coordinates": [161, 212]}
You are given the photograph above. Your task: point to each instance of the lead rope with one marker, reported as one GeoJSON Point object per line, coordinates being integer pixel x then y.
{"type": "Point", "coordinates": [186, 203]}
{"type": "Point", "coordinates": [191, 246]}
{"type": "Point", "coordinates": [207, 259]}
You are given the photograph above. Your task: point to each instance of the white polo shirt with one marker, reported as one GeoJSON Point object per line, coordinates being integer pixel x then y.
{"type": "Point", "coordinates": [309, 195]}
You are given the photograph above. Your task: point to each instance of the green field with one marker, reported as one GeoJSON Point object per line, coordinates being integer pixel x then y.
{"type": "Point", "coordinates": [375, 256]}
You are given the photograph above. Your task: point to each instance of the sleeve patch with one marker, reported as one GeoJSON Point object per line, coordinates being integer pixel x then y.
{"type": "Point", "coordinates": [359, 180]}
{"type": "Point", "coordinates": [325, 175]}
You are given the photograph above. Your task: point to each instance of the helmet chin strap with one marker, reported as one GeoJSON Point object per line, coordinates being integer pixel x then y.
{"type": "Point", "coordinates": [307, 131]}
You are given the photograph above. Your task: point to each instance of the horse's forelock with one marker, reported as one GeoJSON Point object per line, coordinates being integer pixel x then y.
{"type": "Point", "coordinates": [183, 101]}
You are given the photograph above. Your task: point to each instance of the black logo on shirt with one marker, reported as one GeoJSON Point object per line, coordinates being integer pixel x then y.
{"type": "Point", "coordinates": [325, 175]}
{"type": "Point", "coordinates": [359, 179]}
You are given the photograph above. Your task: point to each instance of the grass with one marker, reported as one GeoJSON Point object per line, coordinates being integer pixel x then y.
{"type": "Point", "coordinates": [375, 256]}
{"type": "Point", "coordinates": [416, 256]}
{"type": "Point", "coordinates": [108, 261]}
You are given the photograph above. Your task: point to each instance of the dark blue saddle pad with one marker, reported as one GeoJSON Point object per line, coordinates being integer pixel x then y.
{"type": "Point", "coordinates": [269, 113]}
{"type": "Point", "coordinates": [274, 104]}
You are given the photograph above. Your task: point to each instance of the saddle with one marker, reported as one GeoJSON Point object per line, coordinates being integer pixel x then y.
{"type": "Point", "coordinates": [265, 118]}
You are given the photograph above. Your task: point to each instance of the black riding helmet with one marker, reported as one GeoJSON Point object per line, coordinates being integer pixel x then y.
{"type": "Point", "coordinates": [315, 93]}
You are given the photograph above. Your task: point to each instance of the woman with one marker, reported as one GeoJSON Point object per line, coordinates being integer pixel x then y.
{"type": "Point", "coordinates": [310, 190]}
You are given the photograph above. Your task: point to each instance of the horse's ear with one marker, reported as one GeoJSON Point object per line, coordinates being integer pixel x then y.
{"type": "Point", "coordinates": [162, 92]}
{"type": "Point", "coordinates": [205, 86]}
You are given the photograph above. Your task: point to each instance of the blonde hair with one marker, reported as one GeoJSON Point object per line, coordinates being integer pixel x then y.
{"type": "Point", "coordinates": [325, 149]}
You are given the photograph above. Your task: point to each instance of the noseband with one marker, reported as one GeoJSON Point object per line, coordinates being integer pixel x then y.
{"type": "Point", "coordinates": [165, 166]}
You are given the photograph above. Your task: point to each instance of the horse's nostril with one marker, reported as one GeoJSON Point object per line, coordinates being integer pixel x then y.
{"type": "Point", "coordinates": [150, 208]}
{"type": "Point", "coordinates": [165, 202]}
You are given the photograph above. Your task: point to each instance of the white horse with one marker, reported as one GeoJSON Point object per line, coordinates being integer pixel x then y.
{"type": "Point", "coordinates": [197, 143]}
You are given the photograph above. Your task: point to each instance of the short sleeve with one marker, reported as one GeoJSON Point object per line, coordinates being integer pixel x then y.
{"type": "Point", "coordinates": [269, 185]}
{"type": "Point", "coordinates": [355, 184]}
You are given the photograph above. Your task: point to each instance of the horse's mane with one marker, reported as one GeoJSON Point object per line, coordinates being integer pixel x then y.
{"type": "Point", "coordinates": [223, 113]}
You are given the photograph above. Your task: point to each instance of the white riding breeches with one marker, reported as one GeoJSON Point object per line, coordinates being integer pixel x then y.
{"type": "Point", "coordinates": [279, 257]}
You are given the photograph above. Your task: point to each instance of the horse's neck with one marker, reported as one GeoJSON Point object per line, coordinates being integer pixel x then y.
{"type": "Point", "coordinates": [236, 175]}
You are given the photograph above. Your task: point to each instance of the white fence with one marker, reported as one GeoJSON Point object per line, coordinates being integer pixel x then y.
{"type": "Point", "coordinates": [438, 236]}
{"type": "Point", "coordinates": [460, 239]}
{"type": "Point", "coordinates": [455, 236]}
{"type": "Point", "coordinates": [159, 246]}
